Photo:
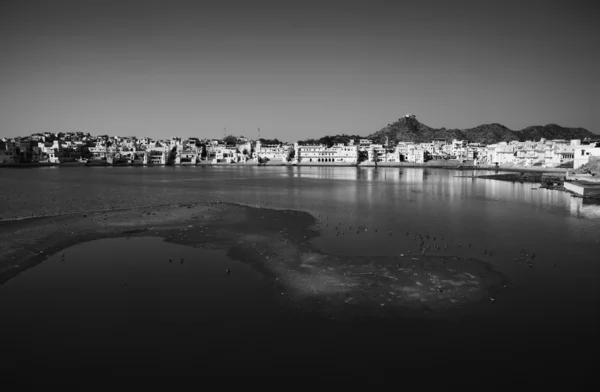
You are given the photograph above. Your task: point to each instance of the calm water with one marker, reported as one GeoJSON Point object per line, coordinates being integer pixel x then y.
{"type": "Point", "coordinates": [83, 310]}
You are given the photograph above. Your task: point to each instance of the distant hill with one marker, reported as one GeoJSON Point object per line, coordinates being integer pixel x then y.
{"type": "Point", "coordinates": [410, 129]}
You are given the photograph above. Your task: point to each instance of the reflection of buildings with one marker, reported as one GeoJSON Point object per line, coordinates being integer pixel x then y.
{"type": "Point", "coordinates": [584, 208]}
{"type": "Point", "coordinates": [330, 173]}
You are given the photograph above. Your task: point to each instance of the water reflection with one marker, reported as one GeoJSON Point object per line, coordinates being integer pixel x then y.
{"type": "Point", "coordinates": [585, 208]}
{"type": "Point", "coordinates": [471, 215]}
{"type": "Point", "coordinates": [421, 199]}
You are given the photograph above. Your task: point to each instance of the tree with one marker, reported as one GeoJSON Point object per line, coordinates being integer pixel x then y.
{"type": "Point", "coordinates": [230, 139]}
{"type": "Point", "coordinates": [291, 155]}
{"type": "Point", "coordinates": [172, 155]}
{"type": "Point", "coordinates": [375, 156]}
{"type": "Point", "coordinates": [263, 160]}
{"type": "Point", "coordinates": [269, 141]}
{"type": "Point", "coordinates": [362, 156]}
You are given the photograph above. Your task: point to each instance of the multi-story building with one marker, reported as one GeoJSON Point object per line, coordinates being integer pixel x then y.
{"type": "Point", "coordinates": [416, 154]}
{"type": "Point", "coordinates": [8, 152]}
{"type": "Point", "coordinates": [502, 153]}
{"type": "Point", "coordinates": [338, 153]}
{"type": "Point", "coordinates": [218, 152]}
{"type": "Point", "coordinates": [273, 152]}
{"type": "Point", "coordinates": [429, 147]}
{"type": "Point", "coordinates": [459, 148]}
{"type": "Point", "coordinates": [158, 153]}
{"type": "Point", "coordinates": [559, 154]}
{"type": "Point", "coordinates": [583, 153]}
{"type": "Point", "coordinates": [402, 149]}
{"type": "Point", "coordinates": [376, 153]}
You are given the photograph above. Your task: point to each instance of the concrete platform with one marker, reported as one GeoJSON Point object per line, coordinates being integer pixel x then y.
{"type": "Point", "coordinates": [582, 189]}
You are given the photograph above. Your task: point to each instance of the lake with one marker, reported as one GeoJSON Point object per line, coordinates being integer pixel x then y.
{"type": "Point", "coordinates": [120, 305]}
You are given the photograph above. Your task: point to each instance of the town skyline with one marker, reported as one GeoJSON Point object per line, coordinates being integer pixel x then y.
{"type": "Point", "coordinates": [102, 150]}
{"type": "Point", "coordinates": [411, 119]}
{"type": "Point", "coordinates": [294, 70]}
{"type": "Point", "coordinates": [259, 133]}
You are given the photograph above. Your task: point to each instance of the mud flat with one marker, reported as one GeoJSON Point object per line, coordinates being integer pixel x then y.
{"type": "Point", "coordinates": [277, 244]}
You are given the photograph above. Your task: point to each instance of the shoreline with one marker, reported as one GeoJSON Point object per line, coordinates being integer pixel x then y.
{"type": "Point", "coordinates": [277, 244]}
{"type": "Point", "coordinates": [436, 165]}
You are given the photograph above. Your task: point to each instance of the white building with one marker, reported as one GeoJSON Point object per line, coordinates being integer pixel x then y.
{"type": "Point", "coordinates": [272, 152]}
{"type": "Point", "coordinates": [186, 157]}
{"type": "Point", "coordinates": [402, 149]}
{"type": "Point", "coordinates": [339, 153]}
{"type": "Point", "coordinates": [503, 154]}
{"type": "Point", "coordinates": [415, 154]}
{"type": "Point", "coordinates": [158, 154]}
{"type": "Point", "coordinates": [583, 153]}
{"type": "Point", "coordinates": [459, 148]}
{"type": "Point", "coordinates": [376, 152]}
{"type": "Point", "coordinates": [560, 154]}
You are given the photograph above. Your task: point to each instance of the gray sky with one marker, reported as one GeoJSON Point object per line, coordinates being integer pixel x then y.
{"type": "Point", "coordinates": [296, 69]}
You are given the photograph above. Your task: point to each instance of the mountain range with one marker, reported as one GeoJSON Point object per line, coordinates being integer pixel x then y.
{"type": "Point", "coordinates": [408, 128]}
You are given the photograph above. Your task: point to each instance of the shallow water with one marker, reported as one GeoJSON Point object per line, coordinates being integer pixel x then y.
{"type": "Point", "coordinates": [547, 313]}
{"type": "Point", "coordinates": [137, 297]}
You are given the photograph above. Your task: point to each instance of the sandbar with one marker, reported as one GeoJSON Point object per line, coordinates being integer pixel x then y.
{"type": "Point", "coordinates": [276, 243]}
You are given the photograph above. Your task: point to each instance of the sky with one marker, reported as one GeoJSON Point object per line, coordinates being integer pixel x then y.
{"type": "Point", "coordinates": [294, 69]}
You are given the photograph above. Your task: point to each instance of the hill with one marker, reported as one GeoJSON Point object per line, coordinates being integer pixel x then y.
{"type": "Point", "coordinates": [410, 129]}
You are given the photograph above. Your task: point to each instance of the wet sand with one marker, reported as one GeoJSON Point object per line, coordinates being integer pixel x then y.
{"type": "Point", "coordinates": [277, 244]}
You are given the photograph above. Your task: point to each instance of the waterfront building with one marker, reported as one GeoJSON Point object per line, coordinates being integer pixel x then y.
{"type": "Point", "coordinates": [338, 153]}
{"type": "Point", "coordinates": [429, 147]}
{"type": "Point", "coordinates": [244, 147]}
{"type": "Point", "coordinates": [187, 152]}
{"type": "Point", "coordinates": [8, 153]}
{"type": "Point", "coordinates": [459, 148]}
{"type": "Point", "coordinates": [272, 152]}
{"type": "Point", "coordinates": [218, 152]}
{"type": "Point", "coordinates": [187, 157]}
{"type": "Point", "coordinates": [415, 154]}
{"type": "Point", "coordinates": [158, 154]}
{"type": "Point", "coordinates": [403, 148]}
{"type": "Point", "coordinates": [583, 153]}
{"type": "Point", "coordinates": [438, 144]}
{"type": "Point", "coordinates": [560, 154]}
{"type": "Point", "coordinates": [133, 157]}
{"type": "Point", "coordinates": [502, 153]}
{"type": "Point", "coordinates": [393, 156]}
{"type": "Point", "coordinates": [98, 151]}
{"type": "Point", "coordinates": [376, 152]}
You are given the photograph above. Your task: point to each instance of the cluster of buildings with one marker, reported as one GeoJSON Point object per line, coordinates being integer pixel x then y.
{"type": "Point", "coordinates": [104, 150]}
{"type": "Point", "coordinates": [70, 147]}
{"type": "Point", "coordinates": [543, 153]}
